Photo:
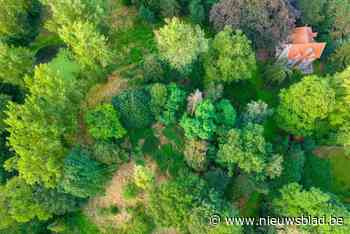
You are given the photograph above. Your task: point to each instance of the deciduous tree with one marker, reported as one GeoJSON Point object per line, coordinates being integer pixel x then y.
{"type": "Point", "coordinates": [15, 63]}
{"type": "Point", "coordinates": [265, 22]}
{"type": "Point", "coordinates": [295, 202]}
{"type": "Point", "coordinates": [48, 116]}
{"type": "Point", "coordinates": [180, 43]}
{"type": "Point", "coordinates": [103, 123]}
{"type": "Point", "coordinates": [88, 45]}
{"type": "Point", "coordinates": [230, 57]}
{"type": "Point", "coordinates": [305, 103]}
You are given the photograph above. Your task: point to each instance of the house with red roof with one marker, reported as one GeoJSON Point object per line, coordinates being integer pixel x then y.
{"type": "Point", "coordinates": [301, 49]}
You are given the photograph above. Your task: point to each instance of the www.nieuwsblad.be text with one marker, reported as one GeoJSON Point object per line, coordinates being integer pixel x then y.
{"type": "Point", "coordinates": [276, 221]}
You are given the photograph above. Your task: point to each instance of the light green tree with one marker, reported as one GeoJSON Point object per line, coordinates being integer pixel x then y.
{"type": "Point", "coordinates": [180, 43]}
{"type": "Point", "coordinates": [88, 45]}
{"type": "Point", "coordinates": [295, 202]}
{"type": "Point", "coordinates": [143, 177]}
{"type": "Point", "coordinates": [230, 57]}
{"type": "Point", "coordinates": [17, 203]}
{"type": "Point", "coordinates": [15, 63]}
{"type": "Point", "coordinates": [103, 123]}
{"type": "Point", "coordinates": [305, 103]}
{"type": "Point", "coordinates": [48, 116]}
{"type": "Point", "coordinates": [13, 17]}
{"type": "Point", "coordinates": [65, 12]}
{"type": "Point", "coordinates": [245, 148]}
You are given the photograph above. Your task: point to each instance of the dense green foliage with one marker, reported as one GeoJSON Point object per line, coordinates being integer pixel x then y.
{"type": "Point", "coordinates": [133, 107]}
{"type": "Point", "coordinates": [295, 202]}
{"type": "Point", "coordinates": [84, 177]}
{"type": "Point", "coordinates": [230, 57]}
{"type": "Point", "coordinates": [36, 128]}
{"type": "Point", "coordinates": [304, 104]}
{"type": "Point", "coordinates": [151, 116]}
{"type": "Point", "coordinates": [180, 43]}
{"type": "Point", "coordinates": [89, 47]}
{"type": "Point", "coordinates": [15, 63]}
{"type": "Point", "coordinates": [103, 123]}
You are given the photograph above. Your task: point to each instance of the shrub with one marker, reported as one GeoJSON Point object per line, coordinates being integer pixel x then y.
{"type": "Point", "coordinates": [103, 123]}
{"type": "Point", "coordinates": [143, 177]}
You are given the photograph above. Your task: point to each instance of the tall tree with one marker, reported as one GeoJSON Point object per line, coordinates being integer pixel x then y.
{"type": "Point", "coordinates": [230, 57]}
{"type": "Point", "coordinates": [133, 107]}
{"type": "Point", "coordinates": [17, 203]}
{"type": "Point", "coordinates": [39, 128]}
{"type": "Point", "coordinates": [265, 22]}
{"type": "Point", "coordinates": [180, 43]}
{"type": "Point", "coordinates": [328, 16]}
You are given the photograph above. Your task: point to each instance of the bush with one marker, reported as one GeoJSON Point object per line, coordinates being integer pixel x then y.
{"type": "Point", "coordinates": [130, 191]}
{"type": "Point", "coordinates": [143, 177]}
{"type": "Point", "coordinates": [103, 123]}
{"type": "Point", "coordinates": [133, 107]}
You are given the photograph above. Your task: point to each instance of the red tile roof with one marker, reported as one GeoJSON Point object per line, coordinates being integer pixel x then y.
{"type": "Point", "coordinates": [303, 45]}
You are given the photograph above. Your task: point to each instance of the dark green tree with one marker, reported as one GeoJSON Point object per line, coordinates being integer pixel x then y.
{"type": "Point", "coordinates": [133, 107]}
{"type": "Point", "coordinates": [82, 176]}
